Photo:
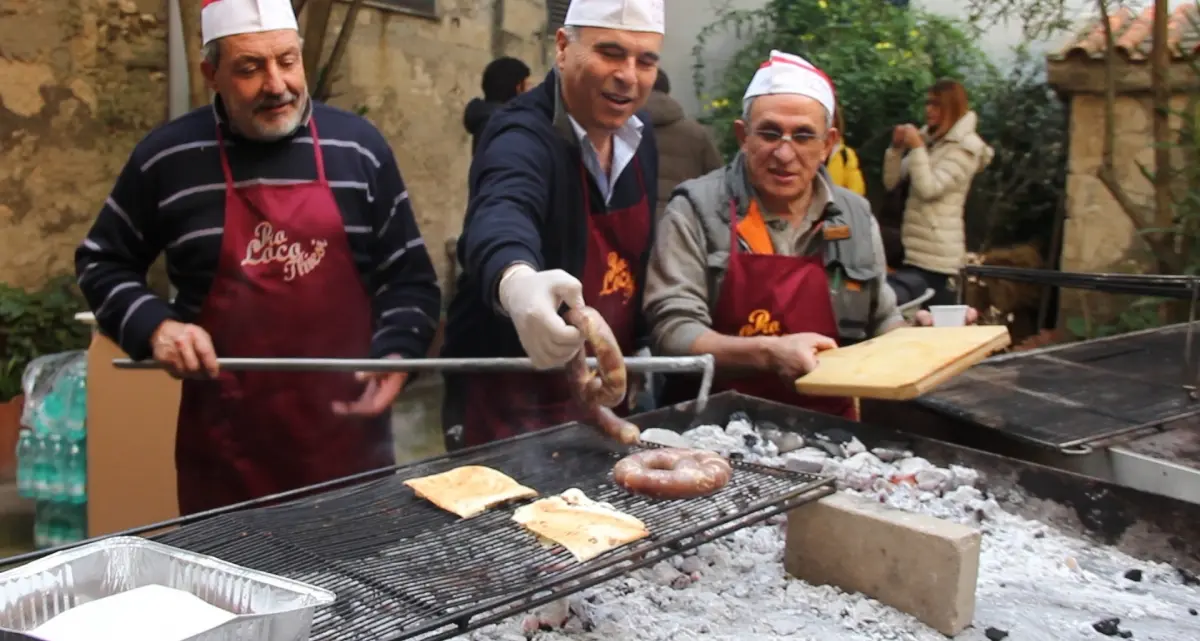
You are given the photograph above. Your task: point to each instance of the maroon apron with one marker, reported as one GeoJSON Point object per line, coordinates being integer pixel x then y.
{"type": "Point", "coordinates": [286, 286]}
{"type": "Point", "coordinates": [769, 294]}
{"type": "Point", "coordinates": [503, 405]}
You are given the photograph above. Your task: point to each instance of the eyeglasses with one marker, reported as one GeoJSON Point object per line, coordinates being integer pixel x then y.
{"type": "Point", "coordinates": [799, 139]}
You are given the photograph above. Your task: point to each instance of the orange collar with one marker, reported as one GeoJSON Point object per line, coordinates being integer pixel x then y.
{"type": "Point", "coordinates": [753, 229]}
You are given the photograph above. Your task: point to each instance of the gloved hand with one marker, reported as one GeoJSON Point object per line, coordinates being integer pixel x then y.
{"type": "Point", "coordinates": [531, 299]}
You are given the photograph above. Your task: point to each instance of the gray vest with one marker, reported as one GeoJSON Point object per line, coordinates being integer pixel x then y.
{"type": "Point", "coordinates": [850, 263]}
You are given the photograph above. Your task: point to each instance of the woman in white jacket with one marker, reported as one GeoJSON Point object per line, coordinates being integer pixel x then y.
{"type": "Point", "coordinates": [937, 164]}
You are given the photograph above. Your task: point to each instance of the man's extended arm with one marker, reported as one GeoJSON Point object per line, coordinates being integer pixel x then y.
{"type": "Point", "coordinates": [112, 261]}
{"type": "Point", "coordinates": [676, 303]}
{"type": "Point", "coordinates": [508, 201]}
{"type": "Point", "coordinates": [406, 298]}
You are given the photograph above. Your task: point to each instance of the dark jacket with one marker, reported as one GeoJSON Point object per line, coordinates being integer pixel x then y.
{"type": "Point", "coordinates": [685, 148]}
{"type": "Point", "coordinates": [526, 205]}
{"type": "Point", "coordinates": [475, 118]}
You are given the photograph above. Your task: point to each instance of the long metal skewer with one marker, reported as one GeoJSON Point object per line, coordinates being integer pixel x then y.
{"type": "Point", "coordinates": [703, 363]}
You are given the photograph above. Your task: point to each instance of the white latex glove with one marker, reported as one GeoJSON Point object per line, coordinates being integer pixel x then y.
{"type": "Point", "coordinates": [531, 299]}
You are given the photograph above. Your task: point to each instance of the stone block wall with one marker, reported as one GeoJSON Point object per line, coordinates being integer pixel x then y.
{"type": "Point", "coordinates": [81, 81]}
{"type": "Point", "coordinates": [414, 76]}
{"type": "Point", "coordinates": [1099, 236]}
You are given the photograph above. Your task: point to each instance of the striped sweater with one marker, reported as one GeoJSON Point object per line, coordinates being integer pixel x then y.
{"type": "Point", "coordinates": [170, 198]}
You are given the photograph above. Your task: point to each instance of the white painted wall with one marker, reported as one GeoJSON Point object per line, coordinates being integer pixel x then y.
{"type": "Point", "coordinates": [685, 20]}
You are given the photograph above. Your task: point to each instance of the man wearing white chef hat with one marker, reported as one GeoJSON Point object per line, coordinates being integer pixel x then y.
{"type": "Point", "coordinates": [764, 263]}
{"type": "Point", "coordinates": [562, 190]}
{"type": "Point", "coordinates": [283, 242]}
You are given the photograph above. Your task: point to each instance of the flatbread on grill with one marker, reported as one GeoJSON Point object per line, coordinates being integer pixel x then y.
{"type": "Point", "coordinates": [469, 490]}
{"type": "Point", "coordinates": [584, 527]}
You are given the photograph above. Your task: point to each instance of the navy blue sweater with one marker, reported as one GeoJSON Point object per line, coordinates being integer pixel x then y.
{"type": "Point", "coordinates": [170, 197]}
{"type": "Point", "coordinates": [526, 205]}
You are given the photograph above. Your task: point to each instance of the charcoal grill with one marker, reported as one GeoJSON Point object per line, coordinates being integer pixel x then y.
{"type": "Point", "coordinates": [1071, 398]}
{"type": "Point", "coordinates": [404, 569]}
{"type": "Point", "coordinates": [1143, 524]}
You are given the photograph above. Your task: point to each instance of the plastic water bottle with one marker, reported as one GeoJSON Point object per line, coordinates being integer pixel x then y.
{"type": "Point", "coordinates": [76, 474]}
{"type": "Point", "coordinates": [51, 415]}
{"type": "Point", "coordinates": [74, 386]}
{"type": "Point", "coordinates": [56, 482]}
{"type": "Point", "coordinates": [43, 467]}
{"type": "Point", "coordinates": [26, 462]}
{"type": "Point", "coordinates": [77, 524]}
{"type": "Point", "coordinates": [41, 524]}
{"type": "Point", "coordinates": [57, 530]}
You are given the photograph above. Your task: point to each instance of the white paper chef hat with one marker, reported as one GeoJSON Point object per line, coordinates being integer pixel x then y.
{"type": "Point", "coordinates": [220, 18]}
{"type": "Point", "coordinates": [784, 73]}
{"type": "Point", "coordinates": [624, 15]}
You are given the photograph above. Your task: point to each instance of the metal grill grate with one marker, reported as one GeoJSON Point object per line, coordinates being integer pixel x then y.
{"type": "Point", "coordinates": [1075, 395]}
{"type": "Point", "coordinates": [405, 569]}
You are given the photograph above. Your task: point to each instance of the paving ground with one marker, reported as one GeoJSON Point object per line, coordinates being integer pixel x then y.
{"type": "Point", "coordinates": [417, 422]}
{"type": "Point", "coordinates": [16, 522]}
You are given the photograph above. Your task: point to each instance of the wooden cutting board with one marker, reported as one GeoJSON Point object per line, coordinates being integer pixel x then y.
{"type": "Point", "coordinates": [902, 364]}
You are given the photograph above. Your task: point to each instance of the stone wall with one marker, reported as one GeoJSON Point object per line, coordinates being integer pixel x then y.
{"type": "Point", "coordinates": [81, 81]}
{"type": "Point", "coordinates": [1099, 235]}
{"type": "Point", "coordinates": [414, 76]}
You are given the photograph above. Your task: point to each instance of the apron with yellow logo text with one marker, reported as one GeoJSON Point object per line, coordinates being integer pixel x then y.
{"type": "Point", "coordinates": [765, 294]}
{"type": "Point", "coordinates": [286, 286]}
{"type": "Point", "coordinates": [502, 405]}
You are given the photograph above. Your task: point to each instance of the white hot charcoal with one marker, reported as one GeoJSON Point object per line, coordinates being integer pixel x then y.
{"type": "Point", "coordinates": [1034, 582]}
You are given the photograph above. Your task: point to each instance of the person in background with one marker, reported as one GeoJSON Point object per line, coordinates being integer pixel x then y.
{"type": "Point", "coordinates": [283, 242]}
{"type": "Point", "coordinates": [503, 79]}
{"type": "Point", "coordinates": [843, 162]}
{"type": "Point", "coordinates": [938, 163]}
{"type": "Point", "coordinates": [685, 148]}
{"type": "Point", "coordinates": [561, 207]}
{"type": "Point", "coordinates": [764, 263]}
{"type": "Point", "coordinates": [685, 151]}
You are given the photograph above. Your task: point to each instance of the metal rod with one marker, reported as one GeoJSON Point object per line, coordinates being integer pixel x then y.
{"type": "Point", "coordinates": [1191, 377]}
{"type": "Point", "coordinates": [703, 363]}
{"type": "Point", "coordinates": [706, 381]}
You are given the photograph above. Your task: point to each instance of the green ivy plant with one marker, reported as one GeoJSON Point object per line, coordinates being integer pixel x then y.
{"type": "Point", "coordinates": [34, 324]}
{"type": "Point", "coordinates": [1017, 199]}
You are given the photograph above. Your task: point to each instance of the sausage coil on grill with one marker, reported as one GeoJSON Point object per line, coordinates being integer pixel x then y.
{"type": "Point", "coordinates": [673, 473]}
{"type": "Point", "coordinates": [604, 388]}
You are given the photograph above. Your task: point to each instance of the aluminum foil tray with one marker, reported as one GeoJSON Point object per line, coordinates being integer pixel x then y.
{"type": "Point", "coordinates": [269, 607]}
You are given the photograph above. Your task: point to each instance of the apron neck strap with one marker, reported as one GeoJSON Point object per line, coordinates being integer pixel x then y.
{"type": "Point", "coordinates": [317, 155]}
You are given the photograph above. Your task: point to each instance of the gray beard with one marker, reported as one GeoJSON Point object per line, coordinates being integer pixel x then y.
{"type": "Point", "coordinates": [260, 136]}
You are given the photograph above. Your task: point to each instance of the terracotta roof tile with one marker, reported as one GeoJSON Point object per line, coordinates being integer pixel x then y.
{"type": "Point", "coordinates": [1134, 34]}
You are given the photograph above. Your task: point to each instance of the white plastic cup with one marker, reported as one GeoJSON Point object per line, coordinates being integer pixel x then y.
{"type": "Point", "coordinates": [949, 315]}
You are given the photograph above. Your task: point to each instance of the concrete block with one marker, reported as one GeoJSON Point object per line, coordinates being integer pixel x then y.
{"type": "Point", "coordinates": [924, 566]}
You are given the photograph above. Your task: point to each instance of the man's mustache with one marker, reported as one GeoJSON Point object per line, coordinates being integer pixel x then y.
{"type": "Point", "coordinates": [271, 102]}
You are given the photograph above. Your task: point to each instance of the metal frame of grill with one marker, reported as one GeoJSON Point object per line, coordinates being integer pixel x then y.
{"type": "Point", "coordinates": [404, 569]}
{"type": "Point", "coordinates": [1047, 397]}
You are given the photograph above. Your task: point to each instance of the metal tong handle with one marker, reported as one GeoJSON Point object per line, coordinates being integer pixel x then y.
{"type": "Point", "coordinates": [703, 363]}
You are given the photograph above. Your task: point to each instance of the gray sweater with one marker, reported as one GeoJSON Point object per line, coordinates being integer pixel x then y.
{"type": "Point", "coordinates": [691, 251]}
